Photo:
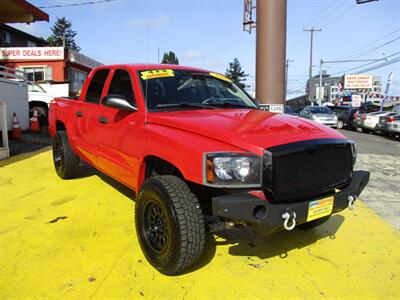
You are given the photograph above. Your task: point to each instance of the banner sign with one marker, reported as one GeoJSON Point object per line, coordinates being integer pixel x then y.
{"type": "Point", "coordinates": [389, 82]}
{"type": "Point", "coordinates": [354, 82]}
{"type": "Point", "coordinates": [31, 53]}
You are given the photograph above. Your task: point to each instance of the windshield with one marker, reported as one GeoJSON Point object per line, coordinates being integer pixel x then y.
{"type": "Point", "coordinates": [320, 110]}
{"type": "Point", "coordinates": [168, 89]}
{"type": "Point", "coordinates": [32, 87]}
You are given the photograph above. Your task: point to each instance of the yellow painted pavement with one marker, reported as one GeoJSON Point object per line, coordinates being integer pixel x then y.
{"type": "Point", "coordinates": [75, 239]}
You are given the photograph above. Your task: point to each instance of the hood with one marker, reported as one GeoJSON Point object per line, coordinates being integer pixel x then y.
{"type": "Point", "coordinates": [252, 130]}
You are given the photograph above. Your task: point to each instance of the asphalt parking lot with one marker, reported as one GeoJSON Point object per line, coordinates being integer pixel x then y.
{"type": "Point", "coordinates": [380, 155]}
{"type": "Point", "coordinates": [76, 239]}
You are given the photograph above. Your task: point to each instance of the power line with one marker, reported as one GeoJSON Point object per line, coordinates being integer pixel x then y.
{"type": "Point", "coordinates": [341, 14]}
{"type": "Point", "coordinates": [370, 43]}
{"type": "Point", "coordinates": [312, 21]}
{"type": "Point", "coordinates": [368, 51]}
{"type": "Point", "coordinates": [364, 65]}
{"type": "Point", "coordinates": [390, 62]}
{"type": "Point", "coordinates": [78, 4]}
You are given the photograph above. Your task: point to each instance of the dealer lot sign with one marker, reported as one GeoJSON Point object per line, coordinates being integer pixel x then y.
{"type": "Point", "coordinates": [353, 82]}
{"type": "Point", "coordinates": [32, 53]}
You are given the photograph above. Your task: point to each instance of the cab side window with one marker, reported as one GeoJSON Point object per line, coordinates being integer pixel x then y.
{"type": "Point", "coordinates": [96, 85]}
{"type": "Point", "coordinates": [121, 85]}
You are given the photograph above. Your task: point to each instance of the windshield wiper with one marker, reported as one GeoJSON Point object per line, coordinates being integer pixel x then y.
{"type": "Point", "coordinates": [184, 104]}
{"type": "Point", "coordinates": [229, 104]}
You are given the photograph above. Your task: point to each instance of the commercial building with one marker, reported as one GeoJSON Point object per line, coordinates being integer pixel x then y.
{"type": "Point", "coordinates": [42, 64]}
{"type": "Point", "coordinates": [331, 88]}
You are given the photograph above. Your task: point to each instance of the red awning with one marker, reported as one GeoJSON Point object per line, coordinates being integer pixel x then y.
{"type": "Point", "coordinates": [20, 11]}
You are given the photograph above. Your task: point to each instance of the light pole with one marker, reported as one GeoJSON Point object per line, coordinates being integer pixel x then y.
{"type": "Point", "coordinates": [286, 74]}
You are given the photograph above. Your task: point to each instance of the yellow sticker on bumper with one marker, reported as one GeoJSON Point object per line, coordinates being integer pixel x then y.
{"type": "Point", "coordinates": [151, 74]}
{"type": "Point", "coordinates": [320, 208]}
{"type": "Point", "coordinates": [219, 76]}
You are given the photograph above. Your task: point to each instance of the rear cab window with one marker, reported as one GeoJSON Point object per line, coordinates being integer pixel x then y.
{"type": "Point", "coordinates": [121, 85]}
{"type": "Point", "coordinates": [96, 86]}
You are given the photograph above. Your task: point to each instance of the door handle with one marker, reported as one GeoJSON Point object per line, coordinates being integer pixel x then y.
{"type": "Point", "coordinates": [79, 114]}
{"type": "Point", "coordinates": [103, 120]}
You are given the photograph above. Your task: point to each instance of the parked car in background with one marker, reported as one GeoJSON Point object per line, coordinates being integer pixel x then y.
{"type": "Point", "coordinates": [394, 126]}
{"type": "Point", "coordinates": [290, 111]}
{"type": "Point", "coordinates": [371, 120]}
{"type": "Point", "coordinates": [383, 125]}
{"type": "Point", "coordinates": [39, 100]}
{"type": "Point", "coordinates": [359, 116]}
{"type": "Point", "coordinates": [320, 114]}
{"type": "Point", "coordinates": [345, 115]}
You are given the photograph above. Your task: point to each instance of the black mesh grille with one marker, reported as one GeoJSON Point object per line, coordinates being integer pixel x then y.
{"type": "Point", "coordinates": [310, 172]}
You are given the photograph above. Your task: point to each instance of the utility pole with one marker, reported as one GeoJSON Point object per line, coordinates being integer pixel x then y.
{"type": "Point", "coordinates": [320, 88]}
{"type": "Point", "coordinates": [311, 30]}
{"type": "Point", "coordinates": [286, 75]}
{"type": "Point", "coordinates": [270, 51]}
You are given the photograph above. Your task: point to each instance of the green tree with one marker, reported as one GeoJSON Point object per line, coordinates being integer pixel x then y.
{"type": "Point", "coordinates": [236, 73]}
{"type": "Point", "coordinates": [62, 34]}
{"type": "Point", "coordinates": [170, 58]}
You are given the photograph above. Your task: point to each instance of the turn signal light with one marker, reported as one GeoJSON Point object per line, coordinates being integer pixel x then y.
{"type": "Point", "coordinates": [210, 171]}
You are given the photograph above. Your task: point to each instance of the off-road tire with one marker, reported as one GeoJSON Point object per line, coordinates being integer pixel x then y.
{"type": "Point", "coordinates": [182, 217]}
{"type": "Point", "coordinates": [314, 223]}
{"type": "Point", "coordinates": [66, 162]}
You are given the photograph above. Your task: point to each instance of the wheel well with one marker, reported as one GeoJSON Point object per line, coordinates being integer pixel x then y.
{"type": "Point", "coordinates": [38, 104]}
{"type": "Point", "coordinates": [159, 166]}
{"type": "Point", "coordinates": [60, 126]}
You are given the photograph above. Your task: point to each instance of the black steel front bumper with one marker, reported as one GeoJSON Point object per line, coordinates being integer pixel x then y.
{"type": "Point", "coordinates": [267, 217]}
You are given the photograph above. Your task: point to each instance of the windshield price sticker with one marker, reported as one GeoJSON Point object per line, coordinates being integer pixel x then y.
{"type": "Point", "coordinates": [320, 208]}
{"type": "Point", "coordinates": [219, 76]}
{"type": "Point", "coordinates": [151, 74]}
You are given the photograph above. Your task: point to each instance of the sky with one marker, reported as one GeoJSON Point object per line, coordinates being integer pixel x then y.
{"type": "Point", "coordinates": [209, 34]}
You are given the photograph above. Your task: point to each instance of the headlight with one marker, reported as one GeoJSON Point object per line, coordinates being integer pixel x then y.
{"type": "Point", "coordinates": [314, 117]}
{"type": "Point", "coordinates": [353, 152]}
{"type": "Point", "coordinates": [232, 170]}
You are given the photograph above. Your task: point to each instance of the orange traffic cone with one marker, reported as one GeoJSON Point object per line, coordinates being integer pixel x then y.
{"type": "Point", "coordinates": [35, 122]}
{"type": "Point", "coordinates": [16, 129]}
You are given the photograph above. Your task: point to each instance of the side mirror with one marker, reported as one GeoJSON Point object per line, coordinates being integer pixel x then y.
{"type": "Point", "coordinates": [118, 102]}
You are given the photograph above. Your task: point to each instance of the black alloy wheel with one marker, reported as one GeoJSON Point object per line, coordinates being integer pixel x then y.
{"type": "Point", "coordinates": [66, 162]}
{"type": "Point", "coordinates": [157, 229]}
{"type": "Point", "coordinates": [169, 224]}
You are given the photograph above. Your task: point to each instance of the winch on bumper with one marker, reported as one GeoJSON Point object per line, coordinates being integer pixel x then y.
{"type": "Point", "coordinates": [268, 217]}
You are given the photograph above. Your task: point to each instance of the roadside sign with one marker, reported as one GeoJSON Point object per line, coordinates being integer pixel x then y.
{"type": "Point", "coordinates": [356, 100]}
{"type": "Point", "coordinates": [275, 108]}
{"type": "Point", "coordinates": [31, 53]}
{"type": "Point", "coordinates": [353, 82]}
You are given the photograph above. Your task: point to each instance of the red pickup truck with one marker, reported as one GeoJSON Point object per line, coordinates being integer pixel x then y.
{"type": "Point", "coordinates": [201, 156]}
